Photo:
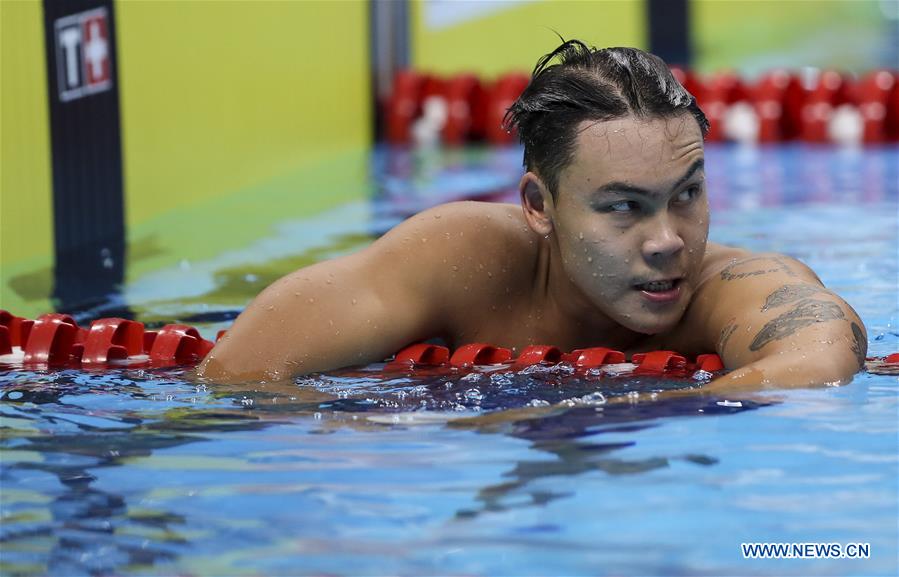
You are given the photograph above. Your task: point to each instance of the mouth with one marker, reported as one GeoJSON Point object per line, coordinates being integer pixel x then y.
{"type": "Point", "coordinates": [660, 291]}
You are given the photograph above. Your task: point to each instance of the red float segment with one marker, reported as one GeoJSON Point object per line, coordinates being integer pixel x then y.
{"type": "Point", "coordinates": [658, 361]}
{"type": "Point", "coordinates": [178, 343]}
{"type": "Point", "coordinates": [149, 339]}
{"type": "Point", "coordinates": [709, 363]}
{"type": "Point", "coordinates": [537, 355]}
{"type": "Point", "coordinates": [594, 357]}
{"type": "Point", "coordinates": [503, 94]}
{"type": "Point", "coordinates": [422, 354]}
{"type": "Point", "coordinates": [479, 354]}
{"type": "Point", "coordinates": [891, 121]}
{"type": "Point", "coordinates": [830, 90]}
{"type": "Point", "coordinates": [872, 96]}
{"type": "Point", "coordinates": [112, 338]}
{"type": "Point", "coordinates": [18, 328]}
{"type": "Point", "coordinates": [51, 339]}
{"type": "Point", "coordinates": [204, 348]}
{"type": "Point", "coordinates": [465, 109]}
{"type": "Point", "coordinates": [768, 97]}
{"type": "Point", "coordinates": [892, 359]}
{"type": "Point", "coordinates": [5, 341]}
{"type": "Point", "coordinates": [714, 95]}
{"type": "Point", "coordinates": [403, 106]}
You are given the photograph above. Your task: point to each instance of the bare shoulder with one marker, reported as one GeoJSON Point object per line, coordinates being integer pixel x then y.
{"type": "Point", "coordinates": [481, 221]}
{"type": "Point", "coordinates": [731, 280]}
{"type": "Point", "coordinates": [726, 263]}
{"type": "Point", "coordinates": [462, 238]}
{"type": "Point", "coordinates": [454, 259]}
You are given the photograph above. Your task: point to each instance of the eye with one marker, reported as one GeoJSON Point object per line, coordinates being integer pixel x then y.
{"type": "Point", "coordinates": [688, 194]}
{"type": "Point", "coordinates": [622, 207]}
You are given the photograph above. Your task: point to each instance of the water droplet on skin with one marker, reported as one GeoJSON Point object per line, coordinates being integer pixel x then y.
{"type": "Point", "coordinates": [580, 236]}
{"type": "Point", "coordinates": [455, 268]}
{"type": "Point", "coordinates": [296, 294]}
{"type": "Point", "coordinates": [311, 300]}
{"type": "Point", "coordinates": [270, 308]}
{"type": "Point", "coordinates": [489, 274]}
{"type": "Point", "coordinates": [589, 259]}
{"type": "Point", "coordinates": [594, 275]}
{"type": "Point", "coordinates": [437, 216]}
{"type": "Point", "coordinates": [423, 240]}
{"type": "Point", "coordinates": [354, 301]}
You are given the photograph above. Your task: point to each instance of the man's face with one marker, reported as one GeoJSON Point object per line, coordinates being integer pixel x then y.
{"type": "Point", "coordinates": [632, 218]}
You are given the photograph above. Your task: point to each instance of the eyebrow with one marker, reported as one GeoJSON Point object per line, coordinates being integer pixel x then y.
{"type": "Point", "coordinates": [617, 186]}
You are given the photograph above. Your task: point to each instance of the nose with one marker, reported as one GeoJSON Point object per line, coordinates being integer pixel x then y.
{"type": "Point", "coordinates": [663, 240]}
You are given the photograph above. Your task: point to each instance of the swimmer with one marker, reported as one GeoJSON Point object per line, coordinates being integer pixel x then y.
{"type": "Point", "coordinates": [607, 248]}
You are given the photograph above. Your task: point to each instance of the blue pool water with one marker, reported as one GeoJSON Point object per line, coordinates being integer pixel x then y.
{"type": "Point", "coordinates": [150, 472]}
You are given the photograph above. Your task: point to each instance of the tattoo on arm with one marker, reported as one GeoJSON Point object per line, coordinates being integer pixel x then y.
{"type": "Point", "coordinates": [725, 335]}
{"type": "Point", "coordinates": [735, 271]}
{"type": "Point", "coordinates": [806, 312]}
{"type": "Point", "coordinates": [790, 293]}
{"type": "Point", "coordinates": [860, 346]}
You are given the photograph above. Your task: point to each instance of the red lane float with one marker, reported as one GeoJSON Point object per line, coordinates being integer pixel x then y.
{"type": "Point", "coordinates": [421, 354]}
{"type": "Point", "coordinates": [15, 329]}
{"type": "Point", "coordinates": [56, 340]}
{"type": "Point", "coordinates": [479, 354]}
{"type": "Point", "coordinates": [50, 340]}
{"type": "Point", "coordinates": [816, 106]}
{"type": "Point", "coordinates": [111, 339]}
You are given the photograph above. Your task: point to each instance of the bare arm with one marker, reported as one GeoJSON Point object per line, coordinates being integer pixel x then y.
{"type": "Point", "coordinates": [351, 310]}
{"type": "Point", "coordinates": [776, 325]}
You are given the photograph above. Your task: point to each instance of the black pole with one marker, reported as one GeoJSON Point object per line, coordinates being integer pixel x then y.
{"type": "Point", "coordinates": [86, 148]}
{"type": "Point", "coordinates": [669, 31]}
{"type": "Point", "coordinates": [389, 26]}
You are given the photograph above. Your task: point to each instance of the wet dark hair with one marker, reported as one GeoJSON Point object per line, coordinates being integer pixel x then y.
{"type": "Point", "coordinates": [590, 84]}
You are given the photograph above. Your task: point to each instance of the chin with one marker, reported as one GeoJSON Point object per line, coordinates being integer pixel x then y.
{"type": "Point", "coordinates": [652, 325]}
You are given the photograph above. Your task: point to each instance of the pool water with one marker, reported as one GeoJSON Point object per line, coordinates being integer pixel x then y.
{"type": "Point", "coordinates": [534, 472]}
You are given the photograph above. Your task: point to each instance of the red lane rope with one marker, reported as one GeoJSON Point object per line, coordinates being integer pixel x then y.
{"type": "Point", "coordinates": [55, 339]}
{"type": "Point", "coordinates": [784, 105]}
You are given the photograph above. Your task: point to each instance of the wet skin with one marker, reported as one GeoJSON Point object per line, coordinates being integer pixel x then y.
{"type": "Point", "coordinates": [568, 269]}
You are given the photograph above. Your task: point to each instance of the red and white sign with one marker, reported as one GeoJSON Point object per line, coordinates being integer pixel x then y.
{"type": "Point", "coordinates": [83, 64]}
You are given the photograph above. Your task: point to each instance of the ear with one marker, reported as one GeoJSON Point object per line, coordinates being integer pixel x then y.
{"type": "Point", "coordinates": [537, 203]}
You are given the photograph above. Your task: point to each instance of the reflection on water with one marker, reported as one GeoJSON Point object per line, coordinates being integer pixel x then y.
{"type": "Point", "coordinates": [64, 430]}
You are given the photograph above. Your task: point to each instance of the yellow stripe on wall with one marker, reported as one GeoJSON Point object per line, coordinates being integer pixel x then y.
{"type": "Point", "coordinates": [514, 35]}
{"type": "Point", "coordinates": [755, 37]}
{"type": "Point", "coordinates": [219, 97]}
{"type": "Point", "coordinates": [26, 209]}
